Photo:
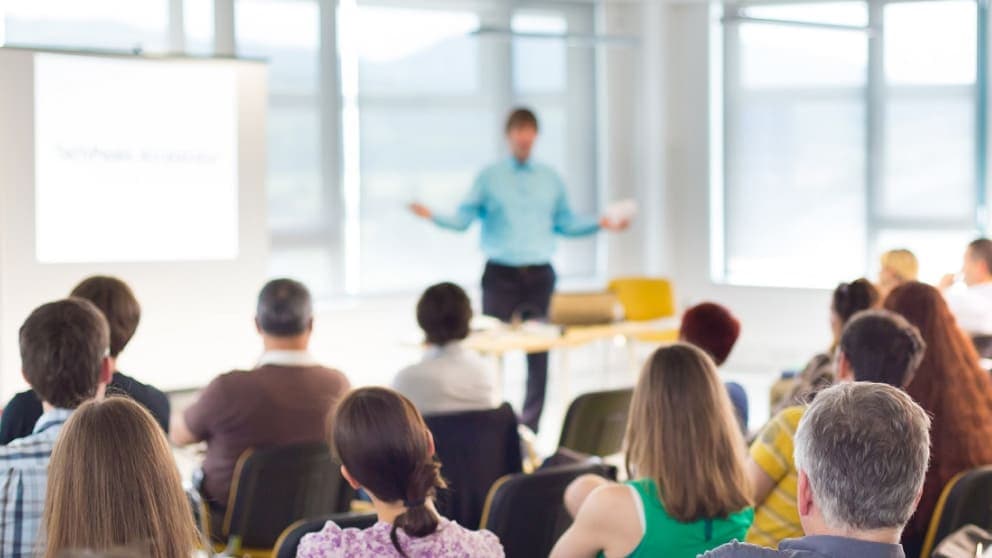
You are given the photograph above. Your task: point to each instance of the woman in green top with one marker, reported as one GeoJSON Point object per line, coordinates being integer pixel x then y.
{"type": "Point", "coordinates": [686, 454]}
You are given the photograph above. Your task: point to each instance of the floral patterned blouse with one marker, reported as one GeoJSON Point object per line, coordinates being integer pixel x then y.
{"type": "Point", "coordinates": [451, 540]}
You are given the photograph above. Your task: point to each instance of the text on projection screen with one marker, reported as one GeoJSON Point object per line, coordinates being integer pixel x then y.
{"type": "Point", "coordinates": [135, 160]}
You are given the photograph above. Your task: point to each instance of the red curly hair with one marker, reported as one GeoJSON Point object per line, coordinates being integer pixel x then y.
{"type": "Point", "coordinates": [952, 386]}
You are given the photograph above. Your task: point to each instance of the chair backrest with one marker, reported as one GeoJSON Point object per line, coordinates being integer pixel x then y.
{"type": "Point", "coordinates": [273, 487]}
{"type": "Point", "coordinates": [595, 423]}
{"type": "Point", "coordinates": [966, 500]}
{"type": "Point", "coordinates": [527, 512]}
{"type": "Point", "coordinates": [644, 298]}
{"type": "Point", "coordinates": [289, 540]}
{"type": "Point", "coordinates": [476, 448]}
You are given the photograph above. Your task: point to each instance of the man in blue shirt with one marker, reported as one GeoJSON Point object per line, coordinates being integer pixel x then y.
{"type": "Point", "coordinates": [523, 206]}
{"type": "Point", "coordinates": [65, 357]}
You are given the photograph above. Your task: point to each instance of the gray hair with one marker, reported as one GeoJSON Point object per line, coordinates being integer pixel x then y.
{"type": "Point", "coordinates": [865, 448]}
{"type": "Point", "coordinates": [284, 308]}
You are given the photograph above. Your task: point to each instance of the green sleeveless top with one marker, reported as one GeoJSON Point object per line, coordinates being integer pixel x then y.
{"type": "Point", "coordinates": [666, 536]}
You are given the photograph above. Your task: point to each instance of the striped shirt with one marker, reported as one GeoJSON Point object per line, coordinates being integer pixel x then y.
{"type": "Point", "coordinates": [777, 518]}
{"type": "Point", "coordinates": [23, 480]}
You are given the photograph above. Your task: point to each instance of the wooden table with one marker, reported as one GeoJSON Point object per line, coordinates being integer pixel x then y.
{"type": "Point", "coordinates": [531, 338]}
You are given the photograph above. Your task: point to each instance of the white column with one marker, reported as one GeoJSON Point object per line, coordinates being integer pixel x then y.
{"type": "Point", "coordinates": [177, 29]}
{"type": "Point", "coordinates": [224, 43]}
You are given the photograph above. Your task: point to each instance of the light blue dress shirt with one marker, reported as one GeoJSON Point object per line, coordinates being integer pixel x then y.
{"type": "Point", "coordinates": [522, 206]}
{"type": "Point", "coordinates": [23, 482]}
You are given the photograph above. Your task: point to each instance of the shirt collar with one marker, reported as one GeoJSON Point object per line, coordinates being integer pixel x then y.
{"type": "Point", "coordinates": [843, 546]}
{"type": "Point", "coordinates": [55, 417]}
{"type": "Point", "coordinates": [287, 358]}
{"type": "Point", "coordinates": [518, 166]}
{"type": "Point", "coordinates": [435, 351]}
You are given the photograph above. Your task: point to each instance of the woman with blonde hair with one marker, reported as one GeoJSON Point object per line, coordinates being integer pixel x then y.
{"type": "Point", "coordinates": [113, 484]}
{"type": "Point", "coordinates": [897, 267]}
{"type": "Point", "coordinates": [685, 455]}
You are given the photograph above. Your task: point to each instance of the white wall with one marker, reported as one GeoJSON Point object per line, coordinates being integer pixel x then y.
{"type": "Point", "coordinates": [782, 328]}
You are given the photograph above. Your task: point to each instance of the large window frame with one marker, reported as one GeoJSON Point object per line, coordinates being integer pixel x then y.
{"type": "Point", "coordinates": [338, 228]}
{"type": "Point", "coordinates": [724, 102]}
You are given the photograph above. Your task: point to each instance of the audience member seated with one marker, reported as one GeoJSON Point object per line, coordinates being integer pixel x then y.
{"type": "Point", "coordinates": [896, 267]}
{"type": "Point", "coordinates": [450, 378]}
{"type": "Point", "coordinates": [114, 298]}
{"type": "Point", "coordinates": [862, 451]}
{"type": "Point", "coordinates": [283, 401]}
{"type": "Point", "coordinates": [820, 372]}
{"type": "Point", "coordinates": [387, 451]}
{"type": "Point", "coordinates": [971, 302]}
{"type": "Point", "coordinates": [714, 329]}
{"type": "Point", "coordinates": [686, 454]}
{"type": "Point", "coordinates": [64, 357]}
{"type": "Point", "coordinates": [877, 346]}
{"type": "Point", "coordinates": [113, 483]}
{"type": "Point", "coordinates": [951, 385]}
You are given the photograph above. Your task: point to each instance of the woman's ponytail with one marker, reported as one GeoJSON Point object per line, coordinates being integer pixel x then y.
{"type": "Point", "coordinates": [419, 520]}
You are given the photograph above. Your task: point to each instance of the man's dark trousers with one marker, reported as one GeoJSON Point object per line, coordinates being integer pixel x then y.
{"type": "Point", "coordinates": [522, 292]}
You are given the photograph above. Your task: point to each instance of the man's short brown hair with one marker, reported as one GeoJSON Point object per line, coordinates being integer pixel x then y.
{"type": "Point", "coordinates": [882, 347]}
{"type": "Point", "coordinates": [521, 117]}
{"type": "Point", "coordinates": [117, 302]}
{"type": "Point", "coordinates": [63, 344]}
{"type": "Point", "coordinates": [981, 250]}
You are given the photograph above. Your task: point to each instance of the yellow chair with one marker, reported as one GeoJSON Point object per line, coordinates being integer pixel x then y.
{"type": "Point", "coordinates": [647, 299]}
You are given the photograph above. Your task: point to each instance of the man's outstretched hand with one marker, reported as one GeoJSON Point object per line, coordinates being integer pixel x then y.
{"type": "Point", "coordinates": [420, 210]}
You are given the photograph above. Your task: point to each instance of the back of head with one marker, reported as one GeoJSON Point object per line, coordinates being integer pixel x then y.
{"type": "Point", "coordinates": [851, 298]}
{"type": "Point", "coordinates": [882, 347]}
{"type": "Point", "coordinates": [902, 263]}
{"type": "Point", "coordinates": [63, 344]}
{"type": "Point", "coordinates": [113, 483]}
{"type": "Point", "coordinates": [712, 328]}
{"type": "Point", "coordinates": [865, 448]}
{"type": "Point", "coordinates": [980, 250]}
{"type": "Point", "coordinates": [117, 302]}
{"type": "Point", "coordinates": [683, 434]}
{"type": "Point", "coordinates": [521, 117]}
{"type": "Point", "coordinates": [444, 313]}
{"type": "Point", "coordinates": [285, 308]}
{"type": "Point", "coordinates": [386, 447]}
{"type": "Point", "coordinates": [950, 358]}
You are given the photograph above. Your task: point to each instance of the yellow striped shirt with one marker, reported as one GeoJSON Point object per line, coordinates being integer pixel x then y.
{"type": "Point", "coordinates": [777, 518]}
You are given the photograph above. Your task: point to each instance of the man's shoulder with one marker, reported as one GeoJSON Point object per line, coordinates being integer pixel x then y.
{"type": "Point", "coordinates": [742, 550]}
{"type": "Point", "coordinates": [29, 449]}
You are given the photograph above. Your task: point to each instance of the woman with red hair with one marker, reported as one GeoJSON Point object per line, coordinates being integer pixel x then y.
{"type": "Point", "coordinates": [715, 330]}
{"type": "Point", "coordinates": [952, 386]}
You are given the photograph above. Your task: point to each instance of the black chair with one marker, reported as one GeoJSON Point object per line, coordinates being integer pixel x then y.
{"type": "Point", "coordinates": [966, 500]}
{"type": "Point", "coordinates": [596, 422]}
{"type": "Point", "coordinates": [527, 512]}
{"type": "Point", "coordinates": [274, 487]}
{"type": "Point", "coordinates": [476, 448]}
{"type": "Point", "coordinates": [289, 540]}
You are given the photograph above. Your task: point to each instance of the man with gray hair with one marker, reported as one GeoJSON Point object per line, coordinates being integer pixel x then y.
{"type": "Point", "coordinates": [862, 450]}
{"type": "Point", "coordinates": [285, 400]}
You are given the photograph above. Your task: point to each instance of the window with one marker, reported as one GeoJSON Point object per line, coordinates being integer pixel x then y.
{"type": "Point", "coordinates": [835, 151]}
{"type": "Point", "coordinates": [287, 34]}
{"type": "Point", "coordinates": [98, 24]}
{"type": "Point", "coordinates": [198, 25]}
{"type": "Point", "coordinates": [424, 98]}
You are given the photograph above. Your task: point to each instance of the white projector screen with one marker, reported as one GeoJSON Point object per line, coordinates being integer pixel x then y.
{"type": "Point", "coordinates": [134, 161]}
{"type": "Point", "coordinates": [151, 169]}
